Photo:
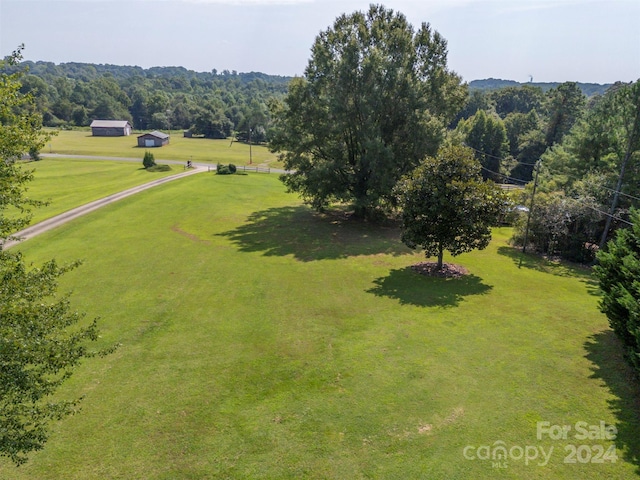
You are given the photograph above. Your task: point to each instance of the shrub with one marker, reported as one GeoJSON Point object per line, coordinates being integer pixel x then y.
{"type": "Point", "coordinates": [225, 169]}
{"type": "Point", "coordinates": [560, 225]}
{"type": "Point", "coordinates": [148, 160]}
{"type": "Point", "coordinates": [618, 272]}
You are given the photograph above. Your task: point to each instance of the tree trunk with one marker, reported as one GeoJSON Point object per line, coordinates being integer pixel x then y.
{"type": "Point", "coordinates": [360, 212]}
{"type": "Point", "coordinates": [440, 255]}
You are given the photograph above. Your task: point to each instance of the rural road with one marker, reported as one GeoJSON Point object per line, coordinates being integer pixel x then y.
{"type": "Point", "coordinates": [137, 160]}
{"type": "Point", "coordinates": [120, 159]}
{"type": "Point", "coordinates": [58, 220]}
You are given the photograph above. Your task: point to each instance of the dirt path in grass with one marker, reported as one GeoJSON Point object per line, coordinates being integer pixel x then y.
{"type": "Point", "coordinates": [58, 220]}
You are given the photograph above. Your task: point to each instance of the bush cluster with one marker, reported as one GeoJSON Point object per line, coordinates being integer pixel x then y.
{"type": "Point", "coordinates": [226, 169]}
{"type": "Point", "coordinates": [148, 161]}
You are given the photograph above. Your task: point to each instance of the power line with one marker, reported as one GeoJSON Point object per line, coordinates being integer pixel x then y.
{"type": "Point", "coordinates": [574, 177]}
{"type": "Point", "coordinates": [605, 213]}
{"type": "Point", "coordinates": [522, 182]}
{"type": "Point", "coordinates": [533, 165]}
{"type": "Point", "coordinates": [621, 193]}
{"type": "Point", "coordinates": [498, 158]}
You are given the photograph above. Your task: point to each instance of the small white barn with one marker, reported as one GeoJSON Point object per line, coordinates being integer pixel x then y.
{"type": "Point", "coordinates": [153, 139]}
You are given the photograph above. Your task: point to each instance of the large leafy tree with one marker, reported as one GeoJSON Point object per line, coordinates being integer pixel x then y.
{"type": "Point", "coordinates": [212, 123]}
{"type": "Point", "coordinates": [487, 136]}
{"type": "Point", "coordinates": [526, 142]}
{"type": "Point", "coordinates": [477, 100]}
{"type": "Point", "coordinates": [375, 99]}
{"type": "Point", "coordinates": [20, 133]}
{"type": "Point", "coordinates": [254, 123]}
{"type": "Point", "coordinates": [564, 106]}
{"type": "Point", "coordinates": [40, 341]}
{"type": "Point", "coordinates": [521, 99]}
{"type": "Point", "coordinates": [618, 272]}
{"type": "Point", "coordinates": [446, 206]}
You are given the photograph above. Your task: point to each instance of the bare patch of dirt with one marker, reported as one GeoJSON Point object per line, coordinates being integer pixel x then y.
{"type": "Point", "coordinates": [426, 428]}
{"type": "Point", "coordinates": [449, 270]}
{"type": "Point", "coordinates": [453, 416]}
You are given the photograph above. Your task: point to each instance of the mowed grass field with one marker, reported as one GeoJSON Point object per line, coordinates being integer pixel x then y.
{"type": "Point", "coordinates": [67, 183]}
{"type": "Point", "coordinates": [262, 340]}
{"type": "Point", "coordinates": [81, 142]}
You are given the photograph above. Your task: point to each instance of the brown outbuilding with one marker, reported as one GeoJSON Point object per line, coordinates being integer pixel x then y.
{"type": "Point", "coordinates": [110, 128]}
{"type": "Point", "coordinates": [153, 139]}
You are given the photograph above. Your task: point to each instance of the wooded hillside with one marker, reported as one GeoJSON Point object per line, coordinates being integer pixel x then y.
{"type": "Point", "coordinates": [587, 89]}
{"type": "Point", "coordinates": [209, 103]}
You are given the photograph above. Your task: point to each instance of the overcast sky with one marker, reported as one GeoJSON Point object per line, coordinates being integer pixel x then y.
{"type": "Point", "coordinates": [550, 40]}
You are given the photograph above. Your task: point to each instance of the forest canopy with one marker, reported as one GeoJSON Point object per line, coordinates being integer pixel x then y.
{"type": "Point", "coordinates": [74, 94]}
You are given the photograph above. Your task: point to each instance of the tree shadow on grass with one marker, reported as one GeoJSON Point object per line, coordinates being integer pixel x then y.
{"type": "Point", "coordinates": [541, 264]}
{"type": "Point", "coordinates": [605, 351]}
{"type": "Point", "coordinates": [308, 236]}
{"type": "Point", "coordinates": [411, 288]}
{"type": "Point", "coordinates": [558, 268]}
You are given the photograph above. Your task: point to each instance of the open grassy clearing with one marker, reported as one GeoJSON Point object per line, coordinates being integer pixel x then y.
{"type": "Point", "coordinates": [68, 183]}
{"type": "Point", "coordinates": [81, 142]}
{"type": "Point", "coordinates": [263, 341]}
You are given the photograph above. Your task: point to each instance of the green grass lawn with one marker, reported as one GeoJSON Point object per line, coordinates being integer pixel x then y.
{"type": "Point", "coordinates": [67, 183]}
{"type": "Point", "coordinates": [261, 340]}
{"type": "Point", "coordinates": [81, 142]}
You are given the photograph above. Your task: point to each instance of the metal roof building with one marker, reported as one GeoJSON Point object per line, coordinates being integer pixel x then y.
{"type": "Point", "coordinates": [153, 139]}
{"type": "Point", "coordinates": [110, 128]}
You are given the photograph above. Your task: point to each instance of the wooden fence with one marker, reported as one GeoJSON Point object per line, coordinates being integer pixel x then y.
{"type": "Point", "coordinates": [245, 168]}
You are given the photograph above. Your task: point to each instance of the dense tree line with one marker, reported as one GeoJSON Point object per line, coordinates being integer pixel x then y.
{"type": "Point", "coordinates": [589, 177]}
{"type": "Point", "coordinates": [587, 151]}
{"type": "Point", "coordinates": [512, 127]}
{"type": "Point", "coordinates": [491, 84]}
{"type": "Point", "coordinates": [209, 103]}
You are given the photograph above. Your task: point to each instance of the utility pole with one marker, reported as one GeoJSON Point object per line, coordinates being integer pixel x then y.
{"type": "Point", "coordinates": [616, 196]}
{"type": "Point", "coordinates": [250, 155]}
{"type": "Point", "coordinates": [533, 194]}
{"type": "Point", "coordinates": [631, 126]}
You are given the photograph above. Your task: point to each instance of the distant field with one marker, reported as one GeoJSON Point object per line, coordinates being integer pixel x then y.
{"type": "Point", "coordinates": [263, 341]}
{"type": "Point", "coordinates": [81, 142]}
{"type": "Point", "coordinates": [68, 183]}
